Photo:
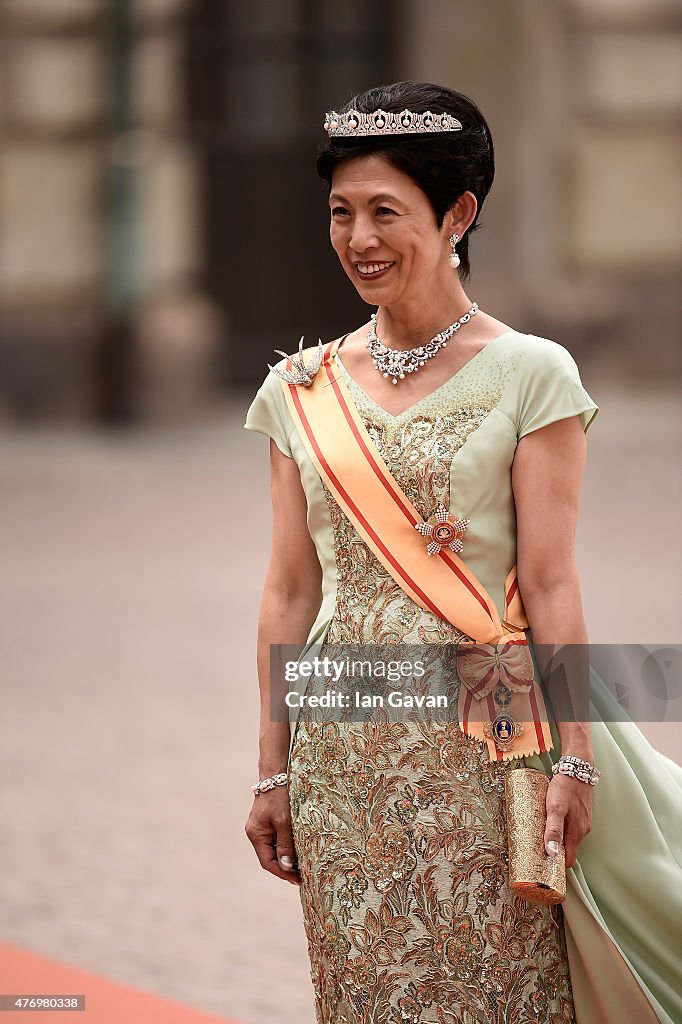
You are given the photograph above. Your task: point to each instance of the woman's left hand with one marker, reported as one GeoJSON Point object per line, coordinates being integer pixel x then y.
{"type": "Point", "coordinates": [569, 815]}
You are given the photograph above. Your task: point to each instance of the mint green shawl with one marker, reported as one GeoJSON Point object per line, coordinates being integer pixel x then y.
{"type": "Point", "coordinates": [623, 909]}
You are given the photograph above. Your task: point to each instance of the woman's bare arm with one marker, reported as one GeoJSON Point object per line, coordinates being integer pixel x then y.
{"type": "Point", "coordinates": [546, 476]}
{"type": "Point", "coordinates": [291, 598]}
{"type": "Point", "coordinates": [292, 594]}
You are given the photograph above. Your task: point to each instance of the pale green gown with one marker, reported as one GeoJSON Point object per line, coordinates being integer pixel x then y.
{"type": "Point", "coordinates": [445, 941]}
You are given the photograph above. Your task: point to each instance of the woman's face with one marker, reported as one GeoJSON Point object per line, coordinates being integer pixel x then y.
{"type": "Point", "coordinates": [384, 231]}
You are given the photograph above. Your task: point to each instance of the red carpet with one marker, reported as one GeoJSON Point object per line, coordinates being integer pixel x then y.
{"type": "Point", "coordinates": [106, 1002]}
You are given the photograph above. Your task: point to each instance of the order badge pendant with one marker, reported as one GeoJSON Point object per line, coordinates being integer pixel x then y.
{"type": "Point", "coordinates": [503, 731]}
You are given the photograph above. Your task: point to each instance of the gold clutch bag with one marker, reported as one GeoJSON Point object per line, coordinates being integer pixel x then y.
{"type": "Point", "coordinates": [533, 874]}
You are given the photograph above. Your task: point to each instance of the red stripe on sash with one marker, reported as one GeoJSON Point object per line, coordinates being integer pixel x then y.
{"type": "Point", "coordinates": [365, 450]}
{"type": "Point", "coordinates": [375, 537]}
{"type": "Point", "coordinates": [403, 508]}
{"type": "Point", "coordinates": [481, 684]}
{"type": "Point", "coordinates": [512, 591]}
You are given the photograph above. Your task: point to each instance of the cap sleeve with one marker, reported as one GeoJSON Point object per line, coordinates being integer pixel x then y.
{"type": "Point", "coordinates": [553, 391]}
{"type": "Point", "coordinates": [268, 414]}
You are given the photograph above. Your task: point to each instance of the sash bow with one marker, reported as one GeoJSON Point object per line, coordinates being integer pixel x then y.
{"type": "Point", "coordinates": [483, 667]}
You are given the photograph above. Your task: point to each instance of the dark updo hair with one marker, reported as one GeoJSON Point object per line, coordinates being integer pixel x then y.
{"type": "Point", "coordinates": [442, 164]}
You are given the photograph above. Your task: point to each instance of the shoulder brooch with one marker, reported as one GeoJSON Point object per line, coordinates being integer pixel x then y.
{"type": "Point", "coordinates": [301, 374]}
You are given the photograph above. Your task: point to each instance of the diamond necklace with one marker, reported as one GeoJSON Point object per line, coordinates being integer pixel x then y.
{"type": "Point", "coordinates": [395, 362]}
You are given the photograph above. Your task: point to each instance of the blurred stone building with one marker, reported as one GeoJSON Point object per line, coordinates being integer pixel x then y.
{"type": "Point", "coordinates": [583, 233]}
{"type": "Point", "coordinates": [102, 310]}
{"type": "Point", "coordinates": [162, 228]}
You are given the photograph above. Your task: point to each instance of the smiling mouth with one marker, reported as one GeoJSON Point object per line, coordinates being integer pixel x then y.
{"type": "Point", "coordinates": [370, 270]}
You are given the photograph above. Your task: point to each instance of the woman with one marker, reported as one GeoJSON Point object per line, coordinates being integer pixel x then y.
{"type": "Point", "coordinates": [395, 832]}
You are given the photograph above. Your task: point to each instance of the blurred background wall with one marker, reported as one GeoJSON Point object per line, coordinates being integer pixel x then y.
{"type": "Point", "coordinates": [162, 228]}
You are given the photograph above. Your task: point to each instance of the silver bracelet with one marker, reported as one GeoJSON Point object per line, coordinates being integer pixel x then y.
{"type": "Point", "coordinates": [266, 784]}
{"type": "Point", "coordinates": [576, 768]}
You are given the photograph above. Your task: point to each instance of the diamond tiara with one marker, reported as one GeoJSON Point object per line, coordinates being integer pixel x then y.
{"type": "Point", "coordinates": [382, 122]}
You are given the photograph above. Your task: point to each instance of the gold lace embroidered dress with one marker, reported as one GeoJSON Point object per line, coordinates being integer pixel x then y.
{"type": "Point", "coordinates": [399, 826]}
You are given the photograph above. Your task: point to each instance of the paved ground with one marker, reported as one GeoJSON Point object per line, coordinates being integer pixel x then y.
{"type": "Point", "coordinates": [128, 606]}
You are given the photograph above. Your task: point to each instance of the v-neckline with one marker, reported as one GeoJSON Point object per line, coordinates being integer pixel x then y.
{"type": "Point", "coordinates": [431, 394]}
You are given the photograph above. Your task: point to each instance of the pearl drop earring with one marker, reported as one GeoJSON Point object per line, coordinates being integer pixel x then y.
{"type": "Point", "coordinates": [454, 255]}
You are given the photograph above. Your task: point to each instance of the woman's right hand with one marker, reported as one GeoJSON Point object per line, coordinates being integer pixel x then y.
{"type": "Point", "coordinates": [270, 833]}
{"type": "Point", "coordinates": [291, 600]}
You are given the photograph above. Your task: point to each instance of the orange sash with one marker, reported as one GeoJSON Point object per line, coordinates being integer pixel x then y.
{"type": "Point", "coordinates": [346, 458]}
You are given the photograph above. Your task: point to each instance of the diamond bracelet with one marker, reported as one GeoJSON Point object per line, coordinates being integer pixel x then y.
{"type": "Point", "coordinates": [576, 768]}
{"type": "Point", "coordinates": [266, 784]}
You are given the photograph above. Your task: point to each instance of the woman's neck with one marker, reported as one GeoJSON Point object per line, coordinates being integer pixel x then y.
{"type": "Point", "coordinates": [405, 325]}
